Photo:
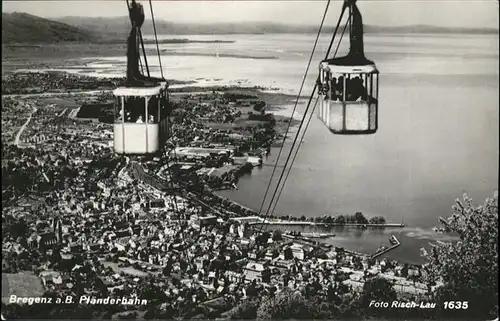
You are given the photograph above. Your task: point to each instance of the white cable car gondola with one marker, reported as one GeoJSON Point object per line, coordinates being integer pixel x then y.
{"type": "Point", "coordinates": [348, 86]}
{"type": "Point", "coordinates": [141, 122]}
{"type": "Point", "coordinates": [141, 111]}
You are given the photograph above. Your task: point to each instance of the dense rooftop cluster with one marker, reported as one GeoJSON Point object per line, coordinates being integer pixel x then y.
{"type": "Point", "coordinates": [41, 82]}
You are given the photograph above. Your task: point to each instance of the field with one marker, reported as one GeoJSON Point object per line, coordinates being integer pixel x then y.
{"type": "Point", "coordinates": [20, 284]}
{"type": "Point", "coordinates": [65, 102]}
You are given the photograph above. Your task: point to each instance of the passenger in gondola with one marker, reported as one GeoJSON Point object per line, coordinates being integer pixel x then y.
{"type": "Point", "coordinates": [364, 92]}
{"type": "Point", "coordinates": [121, 115]}
{"type": "Point", "coordinates": [335, 91]}
{"type": "Point", "coordinates": [140, 120]}
{"type": "Point", "coordinates": [351, 91]}
{"type": "Point", "coordinates": [326, 85]}
{"type": "Point", "coordinates": [348, 89]}
{"type": "Point", "coordinates": [320, 85]}
{"type": "Point", "coordinates": [326, 89]}
{"type": "Point", "coordinates": [340, 85]}
{"type": "Point", "coordinates": [359, 91]}
{"type": "Point", "coordinates": [152, 110]}
{"type": "Point", "coordinates": [354, 89]}
{"type": "Point", "coordinates": [339, 88]}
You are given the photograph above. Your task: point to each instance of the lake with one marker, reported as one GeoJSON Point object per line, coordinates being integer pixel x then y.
{"type": "Point", "coordinates": [437, 137]}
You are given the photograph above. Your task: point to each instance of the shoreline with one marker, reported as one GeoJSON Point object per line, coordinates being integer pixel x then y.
{"type": "Point", "coordinates": [14, 56]}
{"type": "Point", "coordinates": [275, 100]}
{"type": "Point", "coordinates": [329, 225]}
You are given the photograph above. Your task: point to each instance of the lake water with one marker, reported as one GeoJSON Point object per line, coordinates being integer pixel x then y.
{"type": "Point", "coordinates": [437, 137]}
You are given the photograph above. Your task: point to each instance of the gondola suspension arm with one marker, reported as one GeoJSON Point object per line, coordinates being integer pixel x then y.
{"type": "Point", "coordinates": [140, 61]}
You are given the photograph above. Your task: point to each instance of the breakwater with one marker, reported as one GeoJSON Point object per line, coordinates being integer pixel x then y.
{"type": "Point", "coordinates": [379, 253]}
{"type": "Point", "coordinates": [305, 223]}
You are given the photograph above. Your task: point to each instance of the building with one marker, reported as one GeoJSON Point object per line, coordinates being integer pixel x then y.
{"type": "Point", "coordinates": [248, 219]}
{"type": "Point", "coordinates": [256, 271]}
{"type": "Point", "coordinates": [244, 231]}
{"type": "Point", "coordinates": [233, 277]}
{"type": "Point", "coordinates": [47, 240]}
{"type": "Point", "coordinates": [298, 251]}
{"type": "Point", "coordinates": [199, 263]}
{"type": "Point", "coordinates": [54, 279]}
{"type": "Point", "coordinates": [157, 203]}
{"type": "Point", "coordinates": [269, 256]}
{"type": "Point", "coordinates": [203, 221]}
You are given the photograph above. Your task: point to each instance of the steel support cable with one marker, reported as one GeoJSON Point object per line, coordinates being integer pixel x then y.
{"type": "Point", "coordinates": [176, 205]}
{"type": "Point", "coordinates": [156, 38]}
{"type": "Point", "coordinates": [294, 157]}
{"type": "Point", "coordinates": [288, 158]}
{"type": "Point", "coordinates": [308, 105]}
{"type": "Point", "coordinates": [293, 112]}
{"type": "Point", "coordinates": [307, 126]}
{"type": "Point", "coordinates": [143, 51]}
{"type": "Point", "coordinates": [140, 64]}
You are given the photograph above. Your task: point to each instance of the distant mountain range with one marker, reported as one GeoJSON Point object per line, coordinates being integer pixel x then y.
{"type": "Point", "coordinates": [23, 27]}
{"type": "Point", "coordinates": [121, 25]}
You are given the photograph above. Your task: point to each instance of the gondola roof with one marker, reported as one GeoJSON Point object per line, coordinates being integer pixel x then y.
{"type": "Point", "coordinates": [350, 60]}
{"type": "Point", "coordinates": [140, 91]}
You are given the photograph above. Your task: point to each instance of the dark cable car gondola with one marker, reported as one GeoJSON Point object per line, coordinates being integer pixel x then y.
{"type": "Point", "coordinates": [141, 112]}
{"type": "Point", "coordinates": [348, 86]}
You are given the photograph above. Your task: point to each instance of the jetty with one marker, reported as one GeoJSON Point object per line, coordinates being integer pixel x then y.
{"type": "Point", "coordinates": [395, 243]}
{"type": "Point", "coordinates": [308, 237]}
{"type": "Point", "coordinates": [305, 223]}
{"type": "Point", "coordinates": [318, 235]}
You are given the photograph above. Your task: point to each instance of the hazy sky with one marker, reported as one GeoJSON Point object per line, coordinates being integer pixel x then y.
{"type": "Point", "coordinates": [455, 13]}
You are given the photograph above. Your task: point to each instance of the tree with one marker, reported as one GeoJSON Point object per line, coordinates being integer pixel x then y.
{"type": "Point", "coordinates": [286, 305]}
{"type": "Point", "coordinates": [340, 220]}
{"type": "Point", "coordinates": [288, 253]}
{"type": "Point", "coordinates": [262, 238]}
{"type": "Point", "coordinates": [259, 106]}
{"type": "Point", "coordinates": [468, 268]}
{"type": "Point", "coordinates": [277, 235]}
{"type": "Point", "coordinates": [404, 270]}
{"type": "Point", "coordinates": [359, 218]}
{"type": "Point", "coordinates": [152, 293]}
{"type": "Point", "coordinates": [378, 289]}
{"type": "Point", "coordinates": [19, 228]}
{"type": "Point", "coordinates": [245, 310]}
{"type": "Point", "coordinates": [357, 264]}
{"type": "Point", "coordinates": [376, 220]}
{"type": "Point", "coordinates": [128, 315]}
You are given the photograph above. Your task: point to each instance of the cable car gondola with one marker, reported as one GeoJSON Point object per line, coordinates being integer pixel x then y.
{"type": "Point", "coordinates": [348, 86]}
{"type": "Point", "coordinates": [141, 111]}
